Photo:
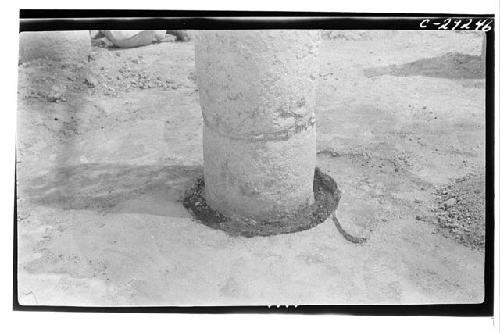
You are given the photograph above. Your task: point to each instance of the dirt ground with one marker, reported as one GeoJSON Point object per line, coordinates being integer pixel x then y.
{"type": "Point", "coordinates": [106, 149]}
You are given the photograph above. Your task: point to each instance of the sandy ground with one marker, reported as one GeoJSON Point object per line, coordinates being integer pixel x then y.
{"type": "Point", "coordinates": [103, 164]}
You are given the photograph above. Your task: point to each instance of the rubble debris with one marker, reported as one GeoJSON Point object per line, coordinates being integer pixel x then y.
{"type": "Point", "coordinates": [461, 210]}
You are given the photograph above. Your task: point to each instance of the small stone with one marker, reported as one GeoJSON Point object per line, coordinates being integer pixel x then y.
{"type": "Point", "coordinates": [91, 82]}
{"type": "Point", "coordinates": [450, 203]}
{"type": "Point", "coordinates": [418, 218]}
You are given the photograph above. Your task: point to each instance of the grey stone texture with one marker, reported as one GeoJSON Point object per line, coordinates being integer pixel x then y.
{"type": "Point", "coordinates": [257, 93]}
{"type": "Point", "coordinates": [54, 45]}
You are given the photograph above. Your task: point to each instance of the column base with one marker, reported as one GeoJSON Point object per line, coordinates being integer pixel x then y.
{"type": "Point", "coordinates": [326, 197]}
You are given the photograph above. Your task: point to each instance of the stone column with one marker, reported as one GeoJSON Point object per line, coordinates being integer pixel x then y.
{"type": "Point", "coordinates": [257, 93]}
{"type": "Point", "coordinates": [483, 49]}
{"type": "Point", "coordinates": [54, 45]}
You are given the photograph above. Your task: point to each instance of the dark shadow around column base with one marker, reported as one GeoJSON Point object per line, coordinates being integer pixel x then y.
{"type": "Point", "coordinates": [326, 195]}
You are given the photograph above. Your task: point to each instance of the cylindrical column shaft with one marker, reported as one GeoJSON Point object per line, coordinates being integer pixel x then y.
{"type": "Point", "coordinates": [483, 49]}
{"type": "Point", "coordinates": [257, 92]}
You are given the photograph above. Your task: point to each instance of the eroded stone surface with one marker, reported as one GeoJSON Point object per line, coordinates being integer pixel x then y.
{"type": "Point", "coordinates": [257, 92]}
